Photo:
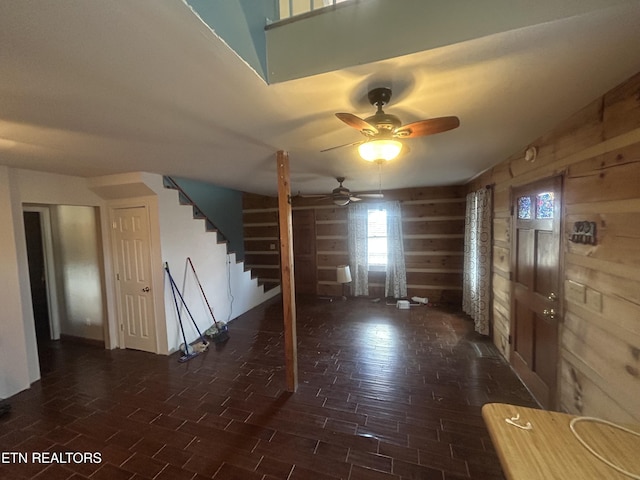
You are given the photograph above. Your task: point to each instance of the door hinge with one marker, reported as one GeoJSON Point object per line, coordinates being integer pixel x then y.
{"type": "Point", "coordinates": [511, 209]}
{"type": "Point", "coordinates": [510, 339]}
{"type": "Point", "coordinates": [122, 329]}
{"type": "Point", "coordinates": [118, 276]}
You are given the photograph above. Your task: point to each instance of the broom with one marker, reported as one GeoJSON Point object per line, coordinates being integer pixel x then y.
{"type": "Point", "coordinates": [219, 332]}
{"type": "Point", "coordinates": [202, 346]}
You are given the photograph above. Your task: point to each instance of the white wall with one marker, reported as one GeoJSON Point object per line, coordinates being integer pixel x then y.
{"type": "Point", "coordinates": [19, 365]}
{"type": "Point", "coordinates": [78, 262]}
{"type": "Point", "coordinates": [16, 361]}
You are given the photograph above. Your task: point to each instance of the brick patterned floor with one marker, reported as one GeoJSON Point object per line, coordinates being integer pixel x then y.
{"type": "Point", "coordinates": [384, 394]}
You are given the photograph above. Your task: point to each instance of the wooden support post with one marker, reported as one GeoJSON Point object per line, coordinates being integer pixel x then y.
{"type": "Point", "coordinates": [286, 269]}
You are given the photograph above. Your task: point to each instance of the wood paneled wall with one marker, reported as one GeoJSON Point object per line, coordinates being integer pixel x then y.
{"type": "Point", "coordinates": [433, 227]}
{"type": "Point", "coordinates": [261, 238]}
{"type": "Point", "coordinates": [597, 151]}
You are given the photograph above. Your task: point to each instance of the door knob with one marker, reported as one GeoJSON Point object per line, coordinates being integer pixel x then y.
{"type": "Point", "coordinates": [553, 297]}
{"type": "Point", "coordinates": [146, 289]}
{"type": "Point", "coordinates": [549, 313]}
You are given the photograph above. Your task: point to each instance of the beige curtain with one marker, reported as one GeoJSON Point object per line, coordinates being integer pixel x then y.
{"type": "Point", "coordinates": [476, 288]}
{"type": "Point", "coordinates": [395, 284]}
{"type": "Point", "coordinates": [358, 248]}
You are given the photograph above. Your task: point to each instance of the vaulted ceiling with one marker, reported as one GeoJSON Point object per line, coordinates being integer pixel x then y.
{"type": "Point", "coordinates": [94, 88]}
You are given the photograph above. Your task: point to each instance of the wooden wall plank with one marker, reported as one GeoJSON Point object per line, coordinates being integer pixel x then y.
{"type": "Point", "coordinates": [451, 262]}
{"type": "Point", "coordinates": [598, 163]}
{"type": "Point", "coordinates": [327, 260]}
{"type": "Point", "coordinates": [583, 396]}
{"type": "Point", "coordinates": [617, 183]}
{"type": "Point", "coordinates": [260, 216]}
{"type": "Point", "coordinates": [622, 108]}
{"type": "Point", "coordinates": [502, 229]}
{"type": "Point", "coordinates": [430, 209]}
{"type": "Point", "coordinates": [270, 231]}
{"type": "Point", "coordinates": [611, 357]}
{"type": "Point", "coordinates": [502, 259]}
{"type": "Point", "coordinates": [433, 244]}
{"type": "Point", "coordinates": [434, 227]}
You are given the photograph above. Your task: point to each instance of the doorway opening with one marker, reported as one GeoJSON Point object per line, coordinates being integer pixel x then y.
{"type": "Point", "coordinates": [66, 277]}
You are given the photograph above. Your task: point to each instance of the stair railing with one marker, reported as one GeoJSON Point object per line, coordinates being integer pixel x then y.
{"type": "Point", "coordinates": [171, 183]}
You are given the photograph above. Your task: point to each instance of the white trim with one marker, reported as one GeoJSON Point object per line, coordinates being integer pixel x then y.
{"type": "Point", "coordinates": [331, 222]}
{"type": "Point", "coordinates": [434, 200]}
{"type": "Point", "coordinates": [433, 235]}
{"type": "Point", "coordinates": [417, 253]}
{"type": "Point", "coordinates": [439, 287]}
{"type": "Point", "coordinates": [433, 219]}
{"type": "Point", "coordinates": [331, 237]}
{"type": "Point", "coordinates": [434, 270]}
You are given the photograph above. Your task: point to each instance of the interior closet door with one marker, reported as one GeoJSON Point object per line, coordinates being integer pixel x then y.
{"type": "Point", "coordinates": [130, 227]}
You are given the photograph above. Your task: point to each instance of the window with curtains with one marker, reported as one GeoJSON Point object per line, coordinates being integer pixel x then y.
{"type": "Point", "coordinates": [476, 287]}
{"type": "Point", "coordinates": [377, 239]}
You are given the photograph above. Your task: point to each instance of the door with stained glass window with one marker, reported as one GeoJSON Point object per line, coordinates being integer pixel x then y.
{"type": "Point", "coordinates": [535, 299]}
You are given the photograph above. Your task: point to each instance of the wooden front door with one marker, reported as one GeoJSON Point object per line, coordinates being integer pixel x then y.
{"type": "Point", "coordinates": [535, 304]}
{"type": "Point", "coordinates": [132, 243]}
{"type": "Point", "coordinates": [304, 250]}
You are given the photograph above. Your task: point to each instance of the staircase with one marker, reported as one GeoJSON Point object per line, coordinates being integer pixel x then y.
{"type": "Point", "coordinates": [184, 199]}
{"type": "Point", "coordinates": [263, 274]}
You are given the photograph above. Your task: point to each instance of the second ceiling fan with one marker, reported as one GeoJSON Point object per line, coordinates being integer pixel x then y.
{"type": "Point", "coordinates": [382, 130]}
{"type": "Point", "coordinates": [342, 196]}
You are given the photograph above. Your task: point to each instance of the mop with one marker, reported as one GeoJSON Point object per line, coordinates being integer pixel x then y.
{"type": "Point", "coordinates": [219, 332]}
{"type": "Point", "coordinates": [189, 351]}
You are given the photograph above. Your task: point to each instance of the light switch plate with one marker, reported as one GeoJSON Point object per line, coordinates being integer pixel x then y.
{"type": "Point", "coordinates": [576, 291]}
{"type": "Point", "coordinates": [594, 300]}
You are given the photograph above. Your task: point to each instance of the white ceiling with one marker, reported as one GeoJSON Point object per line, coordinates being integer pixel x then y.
{"type": "Point", "coordinates": [95, 88]}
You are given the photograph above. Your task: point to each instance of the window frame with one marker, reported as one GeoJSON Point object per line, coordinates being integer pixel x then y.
{"type": "Point", "coordinates": [376, 267]}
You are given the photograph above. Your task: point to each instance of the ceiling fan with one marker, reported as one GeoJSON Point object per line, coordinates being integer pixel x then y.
{"type": "Point", "coordinates": [382, 129]}
{"type": "Point", "coordinates": [342, 195]}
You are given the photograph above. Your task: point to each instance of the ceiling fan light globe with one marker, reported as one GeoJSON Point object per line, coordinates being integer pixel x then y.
{"type": "Point", "coordinates": [384, 149]}
{"type": "Point", "coordinates": [341, 202]}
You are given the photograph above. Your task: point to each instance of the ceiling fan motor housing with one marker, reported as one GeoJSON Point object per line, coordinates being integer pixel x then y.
{"type": "Point", "coordinates": [384, 122]}
{"type": "Point", "coordinates": [379, 97]}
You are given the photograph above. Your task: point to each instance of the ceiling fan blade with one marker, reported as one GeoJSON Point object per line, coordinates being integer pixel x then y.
{"type": "Point", "coordinates": [345, 145]}
{"type": "Point", "coordinates": [427, 127]}
{"type": "Point", "coordinates": [369, 195]}
{"type": "Point", "coordinates": [354, 199]}
{"type": "Point", "coordinates": [357, 123]}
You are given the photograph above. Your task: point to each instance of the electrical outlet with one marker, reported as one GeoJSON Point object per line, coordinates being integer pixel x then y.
{"type": "Point", "coordinates": [272, 246]}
